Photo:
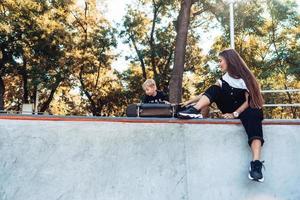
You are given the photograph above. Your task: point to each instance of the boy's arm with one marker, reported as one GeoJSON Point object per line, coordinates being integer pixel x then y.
{"type": "Point", "coordinates": [165, 98]}
{"type": "Point", "coordinates": [144, 99]}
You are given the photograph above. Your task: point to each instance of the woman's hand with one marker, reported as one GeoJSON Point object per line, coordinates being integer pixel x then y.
{"type": "Point", "coordinates": [228, 116]}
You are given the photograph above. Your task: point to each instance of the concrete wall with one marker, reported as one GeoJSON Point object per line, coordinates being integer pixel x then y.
{"type": "Point", "coordinates": [60, 160]}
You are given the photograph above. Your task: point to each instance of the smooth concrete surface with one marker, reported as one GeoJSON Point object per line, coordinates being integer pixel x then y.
{"type": "Point", "coordinates": [77, 160]}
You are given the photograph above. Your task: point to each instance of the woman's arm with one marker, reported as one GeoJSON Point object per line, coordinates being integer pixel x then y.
{"type": "Point", "coordinates": [243, 107]}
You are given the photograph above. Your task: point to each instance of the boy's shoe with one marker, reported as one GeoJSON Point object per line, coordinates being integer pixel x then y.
{"type": "Point", "coordinates": [189, 113]}
{"type": "Point", "coordinates": [255, 173]}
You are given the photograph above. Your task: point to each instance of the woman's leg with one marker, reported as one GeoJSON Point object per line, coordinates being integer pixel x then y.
{"type": "Point", "coordinates": [255, 171]}
{"type": "Point", "coordinates": [209, 96]}
{"type": "Point", "coordinates": [203, 102]}
{"type": "Point", "coordinates": [256, 149]}
{"type": "Point", "coordinates": [252, 122]}
{"type": "Point", "coordinates": [204, 109]}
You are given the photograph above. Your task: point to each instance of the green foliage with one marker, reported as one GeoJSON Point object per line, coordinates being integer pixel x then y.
{"type": "Point", "coordinates": [65, 52]}
{"type": "Point", "coordinates": [270, 47]}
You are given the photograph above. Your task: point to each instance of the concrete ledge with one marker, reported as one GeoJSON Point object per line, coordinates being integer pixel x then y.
{"type": "Point", "coordinates": [143, 119]}
{"type": "Point", "coordinates": [68, 158]}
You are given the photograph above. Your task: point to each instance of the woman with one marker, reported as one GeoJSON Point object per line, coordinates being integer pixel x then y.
{"type": "Point", "coordinates": [237, 95]}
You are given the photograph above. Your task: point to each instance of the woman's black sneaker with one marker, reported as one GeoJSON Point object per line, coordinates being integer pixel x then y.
{"type": "Point", "coordinates": [255, 173]}
{"type": "Point", "coordinates": [189, 113]}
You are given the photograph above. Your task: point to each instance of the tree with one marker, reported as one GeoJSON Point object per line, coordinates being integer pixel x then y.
{"type": "Point", "coordinates": [152, 37]}
{"type": "Point", "coordinates": [34, 40]}
{"type": "Point", "coordinates": [180, 49]}
{"type": "Point", "coordinates": [266, 38]}
{"type": "Point", "coordinates": [94, 39]}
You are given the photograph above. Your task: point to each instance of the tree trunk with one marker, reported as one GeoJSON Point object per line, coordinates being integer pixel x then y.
{"type": "Point", "coordinates": [25, 87]}
{"type": "Point", "coordinates": [35, 100]}
{"type": "Point", "coordinates": [22, 71]}
{"type": "Point", "coordinates": [175, 86]}
{"type": "Point", "coordinates": [46, 104]}
{"type": "Point", "coordinates": [151, 42]}
{"type": "Point", "coordinates": [2, 90]}
{"type": "Point", "coordinates": [140, 56]}
{"type": "Point", "coordinates": [93, 106]}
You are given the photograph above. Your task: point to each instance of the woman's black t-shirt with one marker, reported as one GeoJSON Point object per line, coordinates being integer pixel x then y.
{"type": "Point", "coordinates": [160, 97]}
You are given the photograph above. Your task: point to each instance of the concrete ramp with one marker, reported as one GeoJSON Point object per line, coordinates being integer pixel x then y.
{"type": "Point", "coordinates": [51, 158]}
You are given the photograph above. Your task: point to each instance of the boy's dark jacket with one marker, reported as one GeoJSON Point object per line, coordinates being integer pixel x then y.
{"type": "Point", "coordinates": [159, 98]}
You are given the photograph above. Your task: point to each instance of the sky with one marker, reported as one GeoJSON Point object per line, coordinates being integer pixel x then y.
{"type": "Point", "coordinates": [115, 12]}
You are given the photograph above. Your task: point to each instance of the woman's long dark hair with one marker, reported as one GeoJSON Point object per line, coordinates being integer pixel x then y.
{"type": "Point", "coordinates": [237, 68]}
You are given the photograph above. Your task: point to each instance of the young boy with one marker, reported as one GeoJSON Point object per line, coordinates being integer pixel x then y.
{"type": "Point", "coordinates": [152, 94]}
